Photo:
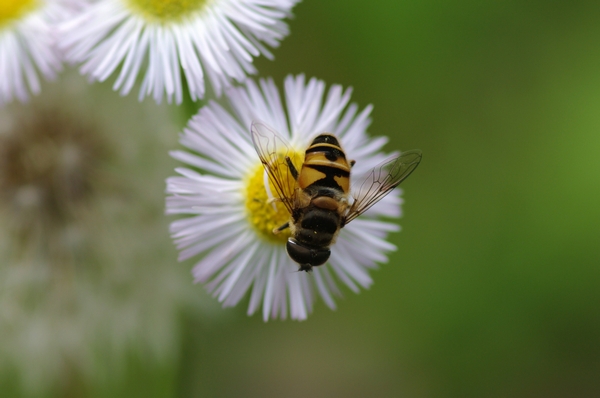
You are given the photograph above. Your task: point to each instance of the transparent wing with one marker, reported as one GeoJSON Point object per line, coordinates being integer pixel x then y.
{"type": "Point", "coordinates": [272, 150]}
{"type": "Point", "coordinates": [381, 180]}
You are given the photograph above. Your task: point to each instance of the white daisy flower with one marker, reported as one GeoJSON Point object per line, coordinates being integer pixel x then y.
{"type": "Point", "coordinates": [162, 38]}
{"type": "Point", "coordinates": [232, 222]}
{"type": "Point", "coordinates": [28, 45]}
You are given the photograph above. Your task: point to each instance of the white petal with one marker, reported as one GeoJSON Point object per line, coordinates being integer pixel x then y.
{"type": "Point", "coordinates": [219, 41]}
{"type": "Point", "coordinates": [28, 49]}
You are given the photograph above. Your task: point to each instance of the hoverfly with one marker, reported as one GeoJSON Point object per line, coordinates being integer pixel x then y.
{"type": "Point", "coordinates": [318, 196]}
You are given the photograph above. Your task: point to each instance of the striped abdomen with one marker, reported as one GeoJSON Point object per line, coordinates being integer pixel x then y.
{"type": "Point", "coordinates": [325, 180]}
{"type": "Point", "coordinates": [325, 167]}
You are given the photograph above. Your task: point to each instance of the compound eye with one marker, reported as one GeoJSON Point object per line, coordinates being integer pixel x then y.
{"type": "Point", "coordinates": [306, 256]}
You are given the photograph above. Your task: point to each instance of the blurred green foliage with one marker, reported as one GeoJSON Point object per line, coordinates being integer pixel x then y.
{"type": "Point", "coordinates": [494, 290]}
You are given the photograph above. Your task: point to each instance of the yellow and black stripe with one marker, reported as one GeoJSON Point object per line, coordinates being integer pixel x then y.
{"type": "Point", "coordinates": [325, 166]}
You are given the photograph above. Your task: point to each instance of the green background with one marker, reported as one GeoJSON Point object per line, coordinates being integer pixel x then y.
{"type": "Point", "coordinates": [495, 288]}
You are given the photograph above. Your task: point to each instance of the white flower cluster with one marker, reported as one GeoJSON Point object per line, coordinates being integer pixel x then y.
{"type": "Point", "coordinates": [83, 279]}
{"type": "Point", "coordinates": [172, 48]}
{"type": "Point", "coordinates": [171, 43]}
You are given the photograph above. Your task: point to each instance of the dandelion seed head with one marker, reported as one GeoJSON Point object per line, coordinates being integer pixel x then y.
{"type": "Point", "coordinates": [48, 165]}
{"type": "Point", "coordinates": [164, 11]}
{"type": "Point", "coordinates": [82, 281]}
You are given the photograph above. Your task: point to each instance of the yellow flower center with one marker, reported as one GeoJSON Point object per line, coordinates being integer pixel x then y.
{"type": "Point", "coordinates": [166, 10]}
{"type": "Point", "coordinates": [264, 213]}
{"type": "Point", "coordinates": [11, 10]}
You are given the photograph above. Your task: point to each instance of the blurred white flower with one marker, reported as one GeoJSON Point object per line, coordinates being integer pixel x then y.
{"type": "Point", "coordinates": [83, 248]}
{"type": "Point", "coordinates": [214, 38]}
{"type": "Point", "coordinates": [231, 223]}
{"type": "Point", "coordinates": [28, 45]}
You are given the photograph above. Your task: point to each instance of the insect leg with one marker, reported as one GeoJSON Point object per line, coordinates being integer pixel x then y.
{"type": "Point", "coordinates": [292, 168]}
{"type": "Point", "coordinates": [281, 228]}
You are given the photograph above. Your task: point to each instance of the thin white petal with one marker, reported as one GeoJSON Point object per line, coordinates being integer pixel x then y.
{"type": "Point", "coordinates": [218, 41]}
{"type": "Point", "coordinates": [28, 49]}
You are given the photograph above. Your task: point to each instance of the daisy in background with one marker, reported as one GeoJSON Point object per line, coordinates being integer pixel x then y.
{"type": "Point", "coordinates": [166, 40]}
{"type": "Point", "coordinates": [28, 45]}
{"type": "Point", "coordinates": [231, 219]}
